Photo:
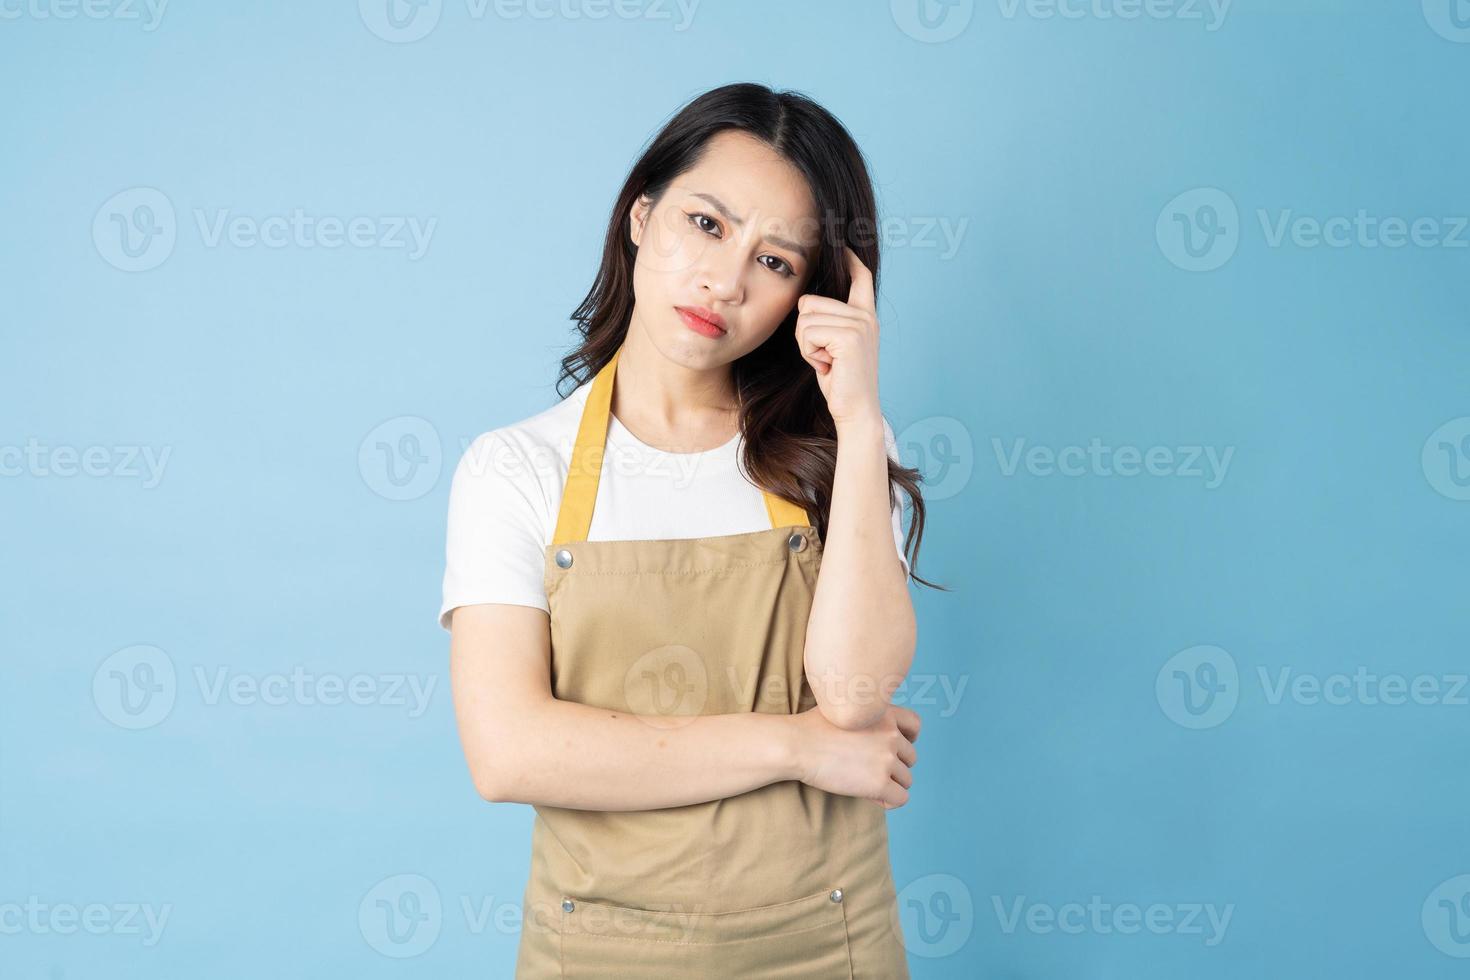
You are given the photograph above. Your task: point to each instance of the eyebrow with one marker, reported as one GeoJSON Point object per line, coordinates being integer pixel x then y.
{"type": "Point", "coordinates": [776, 240]}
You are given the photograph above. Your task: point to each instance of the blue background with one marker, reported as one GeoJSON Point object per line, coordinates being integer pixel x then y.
{"type": "Point", "coordinates": [1081, 759]}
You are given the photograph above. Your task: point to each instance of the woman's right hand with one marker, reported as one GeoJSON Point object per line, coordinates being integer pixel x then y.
{"type": "Point", "coordinates": [871, 763]}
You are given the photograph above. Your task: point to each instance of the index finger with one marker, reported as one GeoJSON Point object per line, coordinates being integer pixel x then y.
{"type": "Point", "coordinates": [861, 293]}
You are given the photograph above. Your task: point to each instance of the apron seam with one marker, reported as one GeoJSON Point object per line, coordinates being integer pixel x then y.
{"type": "Point", "coordinates": [684, 571]}
{"type": "Point", "coordinates": [824, 893]}
{"type": "Point", "coordinates": [847, 942]}
{"type": "Point", "coordinates": [724, 942]}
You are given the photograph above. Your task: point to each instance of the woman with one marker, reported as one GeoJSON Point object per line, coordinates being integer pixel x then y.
{"type": "Point", "coordinates": [641, 644]}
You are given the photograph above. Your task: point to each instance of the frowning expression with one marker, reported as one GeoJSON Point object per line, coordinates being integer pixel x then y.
{"type": "Point", "coordinates": [724, 253]}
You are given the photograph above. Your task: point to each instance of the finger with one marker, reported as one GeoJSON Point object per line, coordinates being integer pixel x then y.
{"type": "Point", "coordinates": [907, 753]}
{"type": "Point", "coordinates": [902, 775]}
{"type": "Point", "coordinates": [895, 794]}
{"type": "Point", "coordinates": [830, 320]}
{"type": "Point", "coordinates": [811, 353]}
{"type": "Point", "coordinates": [813, 303]}
{"type": "Point", "coordinates": [834, 336]}
{"type": "Point", "coordinates": [908, 723]}
{"type": "Point", "coordinates": [827, 337]}
{"type": "Point", "coordinates": [861, 293]}
{"type": "Point", "coordinates": [815, 341]}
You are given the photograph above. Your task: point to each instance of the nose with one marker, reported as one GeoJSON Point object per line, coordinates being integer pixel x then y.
{"type": "Point", "coordinates": [722, 274]}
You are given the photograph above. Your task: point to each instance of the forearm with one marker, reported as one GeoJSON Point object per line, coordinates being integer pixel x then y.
{"type": "Point", "coordinates": [566, 754]}
{"type": "Point", "coordinates": [861, 632]}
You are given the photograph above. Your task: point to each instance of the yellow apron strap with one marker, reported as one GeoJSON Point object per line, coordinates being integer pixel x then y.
{"type": "Point", "coordinates": [574, 519]}
{"type": "Point", "coordinates": [783, 512]}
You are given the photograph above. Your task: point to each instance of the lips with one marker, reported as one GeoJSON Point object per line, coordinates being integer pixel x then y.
{"type": "Point", "coordinates": [702, 320]}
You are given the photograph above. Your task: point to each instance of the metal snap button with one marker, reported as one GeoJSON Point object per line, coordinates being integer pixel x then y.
{"type": "Point", "coordinates": [836, 895]}
{"type": "Point", "coordinates": [797, 541]}
{"type": "Point", "coordinates": [567, 905]}
{"type": "Point", "coordinates": [564, 558]}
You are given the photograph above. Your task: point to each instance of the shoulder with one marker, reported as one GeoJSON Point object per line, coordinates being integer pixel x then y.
{"type": "Point", "coordinates": [502, 507]}
{"type": "Point", "coordinates": [531, 452]}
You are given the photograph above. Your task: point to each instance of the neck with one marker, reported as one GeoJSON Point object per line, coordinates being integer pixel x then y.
{"type": "Point", "coordinates": [667, 398]}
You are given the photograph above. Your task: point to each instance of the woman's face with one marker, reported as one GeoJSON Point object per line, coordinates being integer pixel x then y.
{"type": "Point", "coordinates": [732, 239]}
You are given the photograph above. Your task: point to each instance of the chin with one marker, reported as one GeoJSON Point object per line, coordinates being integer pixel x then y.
{"type": "Point", "coordinates": [695, 352]}
{"type": "Point", "coordinates": [688, 350]}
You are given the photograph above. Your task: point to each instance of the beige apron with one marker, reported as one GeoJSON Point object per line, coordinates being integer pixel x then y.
{"type": "Point", "coordinates": [785, 882]}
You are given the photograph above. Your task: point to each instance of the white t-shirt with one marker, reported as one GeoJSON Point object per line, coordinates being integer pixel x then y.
{"type": "Point", "coordinates": [507, 490]}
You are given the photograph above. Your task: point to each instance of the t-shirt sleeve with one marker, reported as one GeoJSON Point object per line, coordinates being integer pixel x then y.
{"type": "Point", "coordinates": [891, 442]}
{"type": "Point", "coordinates": [493, 549]}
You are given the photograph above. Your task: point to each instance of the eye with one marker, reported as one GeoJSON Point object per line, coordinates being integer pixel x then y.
{"type": "Point", "coordinates": [696, 217]}
{"type": "Point", "coordinates": [779, 266]}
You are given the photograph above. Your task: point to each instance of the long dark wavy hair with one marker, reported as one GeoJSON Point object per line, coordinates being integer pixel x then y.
{"type": "Point", "coordinates": [790, 440]}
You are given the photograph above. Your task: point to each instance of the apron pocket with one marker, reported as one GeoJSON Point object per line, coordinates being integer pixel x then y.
{"type": "Point", "coordinates": [804, 939]}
